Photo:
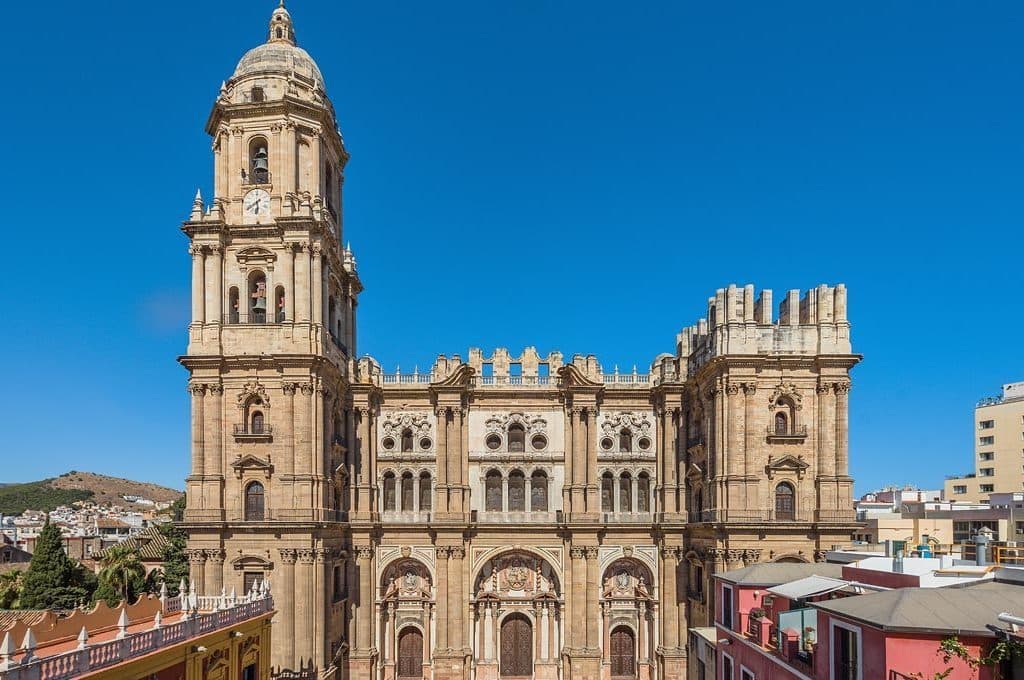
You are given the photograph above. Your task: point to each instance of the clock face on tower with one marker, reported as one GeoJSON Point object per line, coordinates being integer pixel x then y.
{"type": "Point", "coordinates": [256, 202]}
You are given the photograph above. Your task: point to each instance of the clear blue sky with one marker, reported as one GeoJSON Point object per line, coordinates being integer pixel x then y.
{"type": "Point", "coordinates": [570, 175]}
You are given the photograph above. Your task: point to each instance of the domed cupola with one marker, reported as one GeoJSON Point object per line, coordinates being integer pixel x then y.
{"type": "Point", "coordinates": [281, 27]}
{"type": "Point", "coordinates": [280, 55]}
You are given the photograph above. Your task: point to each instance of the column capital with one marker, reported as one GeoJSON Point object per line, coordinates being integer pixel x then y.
{"type": "Point", "coordinates": [442, 552]}
{"type": "Point", "coordinates": [195, 249]}
{"type": "Point", "coordinates": [307, 555]}
{"type": "Point", "coordinates": [671, 553]}
{"type": "Point", "coordinates": [216, 390]}
{"type": "Point", "coordinates": [576, 552]}
{"type": "Point", "coordinates": [289, 388]}
{"type": "Point", "coordinates": [457, 553]}
{"type": "Point", "coordinates": [749, 388]}
{"type": "Point", "coordinates": [824, 388]}
{"type": "Point", "coordinates": [197, 389]}
{"type": "Point", "coordinates": [288, 555]}
{"type": "Point", "coordinates": [732, 389]}
{"type": "Point", "coordinates": [364, 552]}
{"type": "Point", "coordinates": [752, 555]}
{"type": "Point", "coordinates": [215, 555]}
{"type": "Point", "coordinates": [441, 411]}
{"type": "Point", "coordinates": [196, 556]}
{"type": "Point", "coordinates": [591, 552]}
{"type": "Point", "coordinates": [842, 387]}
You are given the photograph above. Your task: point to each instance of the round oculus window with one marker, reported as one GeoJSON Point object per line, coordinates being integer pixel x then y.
{"type": "Point", "coordinates": [607, 443]}
{"type": "Point", "coordinates": [493, 442]}
{"type": "Point", "coordinates": [424, 443]}
{"type": "Point", "coordinates": [644, 443]}
{"type": "Point", "coordinates": [539, 442]}
{"type": "Point", "coordinates": [388, 443]}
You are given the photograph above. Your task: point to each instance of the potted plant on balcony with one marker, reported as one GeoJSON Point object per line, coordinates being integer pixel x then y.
{"type": "Point", "coordinates": [757, 613]}
{"type": "Point", "coordinates": [810, 639]}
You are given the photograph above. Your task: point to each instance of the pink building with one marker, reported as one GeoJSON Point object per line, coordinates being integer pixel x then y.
{"type": "Point", "coordinates": [835, 622]}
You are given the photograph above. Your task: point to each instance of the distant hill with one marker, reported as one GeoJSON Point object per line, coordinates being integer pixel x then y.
{"type": "Point", "coordinates": [73, 486]}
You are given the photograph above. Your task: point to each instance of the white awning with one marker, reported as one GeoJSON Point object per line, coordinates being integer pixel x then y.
{"type": "Point", "coordinates": [808, 587]}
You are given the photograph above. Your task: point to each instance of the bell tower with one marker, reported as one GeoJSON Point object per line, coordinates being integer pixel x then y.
{"type": "Point", "coordinates": [270, 351]}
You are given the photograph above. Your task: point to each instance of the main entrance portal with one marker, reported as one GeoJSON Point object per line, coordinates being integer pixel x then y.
{"type": "Point", "coordinates": [516, 647]}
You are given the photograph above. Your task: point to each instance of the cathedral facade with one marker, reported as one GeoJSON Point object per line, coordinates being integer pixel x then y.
{"type": "Point", "coordinates": [499, 516]}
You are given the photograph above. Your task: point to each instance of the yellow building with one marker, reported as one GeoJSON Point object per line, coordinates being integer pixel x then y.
{"type": "Point", "coordinates": [998, 449]}
{"type": "Point", "coordinates": [499, 515]}
{"type": "Point", "coordinates": [167, 638]}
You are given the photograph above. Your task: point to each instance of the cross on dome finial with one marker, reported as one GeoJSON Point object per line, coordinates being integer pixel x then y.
{"type": "Point", "coordinates": [281, 28]}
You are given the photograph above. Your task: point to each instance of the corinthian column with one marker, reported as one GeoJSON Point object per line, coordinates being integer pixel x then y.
{"type": "Point", "coordinates": [284, 639]}
{"type": "Point", "coordinates": [842, 428]}
{"type": "Point", "coordinates": [734, 432]}
{"type": "Point", "coordinates": [198, 392]}
{"type": "Point", "coordinates": [826, 431]}
{"type": "Point", "coordinates": [215, 434]}
{"type": "Point", "coordinates": [198, 284]}
{"type": "Point", "coordinates": [750, 443]}
{"type": "Point", "coordinates": [593, 597]}
{"type": "Point", "coordinates": [442, 459]}
{"type": "Point", "coordinates": [214, 280]}
{"type": "Point", "coordinates": [288, 460]}
{"type": "Point", "coordinates": [365, 612]}
{"type": "Point", "coordinates": [669, 598]}
{"type": "Point", "coordinates": [443, 590]}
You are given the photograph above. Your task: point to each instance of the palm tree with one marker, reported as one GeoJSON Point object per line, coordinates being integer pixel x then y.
{"type": "Point", "coordinates": [122, 571]}
{"type": "Point", "coordinates": [10, 589]}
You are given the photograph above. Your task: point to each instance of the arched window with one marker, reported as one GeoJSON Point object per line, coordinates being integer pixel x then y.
{"type": "Point", "coordinates": [781, 423]}
{"type": "Point", "coordinates": [643, 493]}
{"type": "Point", "coordinates": [492, 491]}
{"type": "Point", "coordinates": [389, 491]}
{"type": "Point", "coordinates": [517, 491]}
{"type": "Point", "coordinates": [407, 492]}
{"type": "Point", "coordinates": [259, 161]}
{"type": "Point", "coordinates": [256, 426]}
{"type": "Point", "coordinates": [626, 440]}
{"type": "Point", "coordinates": [407, 440]}
{"type": "Point", "coordinates": [233, 304]}
{"type": "Point", "coordinates": [279, 305]}
{"type": "Point", "coordinates": [607, 492]}
{"type": "Point", "coordinates": [625, 493]}
{"type": "Point", "coordinates": [257, 297]}
{"type": "Point", "coordinates": [424, 492]}
{"type": "Point", "coordinates": [785, 506]}
{"type": "Point", "coordinates": [254, 502]}
{"type": "Point", "coordinates": [539, 491]}
{"type": "Point", "coordinates": [516, 438]}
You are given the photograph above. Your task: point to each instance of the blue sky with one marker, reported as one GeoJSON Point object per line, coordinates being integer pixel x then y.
{"type": "Point", "coordinates": [570, 175]}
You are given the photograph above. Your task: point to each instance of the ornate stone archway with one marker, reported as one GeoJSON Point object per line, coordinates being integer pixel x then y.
{"type": "Point", "coordinates": [517, 586]}
{"type": "Point", "coordinates": [627, 604]}
{"type": "Point", "coordinates": [406, 603]}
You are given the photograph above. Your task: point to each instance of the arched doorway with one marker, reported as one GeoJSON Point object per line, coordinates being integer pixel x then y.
{"type": "Point", "coordinates": [516, 659]}
{"type": "Point", "coordinates": [623, 653]}
{"type": "Point", "coordinates": [410, 653]}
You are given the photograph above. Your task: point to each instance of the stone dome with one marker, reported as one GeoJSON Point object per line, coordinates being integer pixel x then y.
{"type": "Point", "coordinates": [279, 57]}
{"type": "Point", "coordinates": [279, 54]}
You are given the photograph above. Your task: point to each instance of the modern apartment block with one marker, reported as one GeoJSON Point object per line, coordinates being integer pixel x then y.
{"type": "Point", "coordinates": [998, 448]}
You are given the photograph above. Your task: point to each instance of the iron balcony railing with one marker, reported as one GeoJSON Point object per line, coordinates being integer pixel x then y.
{"type": "Point", "coordinates": [244, 429]}
{"type": "Point", "coordinates": [791, 431]}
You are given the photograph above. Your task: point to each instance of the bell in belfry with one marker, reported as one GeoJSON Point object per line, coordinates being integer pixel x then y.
{"type": "Point", "coordinates": [260, 168]}
{"type": "Point", "coordinates": [259, 161]}
{"type": "Point", "coordinates": [259, 296]}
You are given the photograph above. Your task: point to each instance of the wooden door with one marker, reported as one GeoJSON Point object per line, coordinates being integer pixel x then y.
{"type": "Point", "coordinates": [516, 648]}
{"type": "Point", "coordinates": [623, 653]}
{"type": "Point", "coordinates": [410, 654]}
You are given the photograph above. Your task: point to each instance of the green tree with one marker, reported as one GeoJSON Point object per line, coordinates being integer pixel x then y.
{"type": "Point", "coordinates": [10, 589]}
{"type": "Point", "coordinates": [122, 575]}
{"type": "Point", "coordinates": [53, 580]}
{"type": "Point", "coordinates": [177, 509]}
{"type": "Point", "coordinates": [175, 561]}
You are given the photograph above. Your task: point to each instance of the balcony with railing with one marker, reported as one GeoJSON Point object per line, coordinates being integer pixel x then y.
{"type": "Point", "coordinates": [515, 516]}
{"type": "Point", "coordinates": [787, 433]}
{"type": "Point", "coordinates": [143, 628]}
{"type": "Point", "coordinates": [399, 378]}
{"type": "Point", "coordinates": [405, 516]}
{"type": "Point", "coordinates": [789, 635]}
{"type": "Point", "coordinates": [253, 432]}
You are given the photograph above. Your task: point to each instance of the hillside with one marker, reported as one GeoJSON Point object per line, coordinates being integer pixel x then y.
{"type": "Point", "coordinates": [74, 486]}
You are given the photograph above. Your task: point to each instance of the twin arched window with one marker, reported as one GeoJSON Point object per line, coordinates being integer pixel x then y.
{"type": "Point", "coordinates": [625, 492]}
{"type": "Point", "coordinates": [401, 494]}
{"type": "Point", "coordinates": [494, 492]}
